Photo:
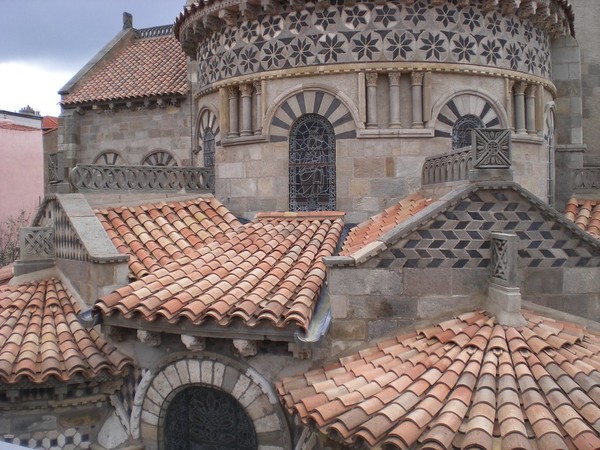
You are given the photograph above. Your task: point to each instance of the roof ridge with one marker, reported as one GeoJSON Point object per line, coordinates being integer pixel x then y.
{"type": "Point", "coordinates": [156, 31]}
{"type": "Point", "coordinates": [300, 215]}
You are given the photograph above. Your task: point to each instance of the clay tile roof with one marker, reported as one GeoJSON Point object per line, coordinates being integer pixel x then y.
{"type": "Point", "coordinates": [7, 124]}
{"type": "Point", "coordinates": [270, 270]}
{"type": "Point", "coordinates": [145, 67]}
{"type": "Point", "coordinates": [40, 337]}
{"type": "Point", "coordinates": [465, 383]}
{"type": "Point", "coordinates": [375, 227]}
{"type": "Point", "coordinates": [157, 234]}
{"type": "Point", "coordinates": [6, 273]}
{"type": "Point", "coordinates": [585, 214]}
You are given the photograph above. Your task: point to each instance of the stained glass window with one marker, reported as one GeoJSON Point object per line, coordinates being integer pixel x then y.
{"type": "Point", "coordinates": [461, 131]}
{"type": "Point", "coordinates": [312, 164]}
{"type": "Point", "coordinates": [202, 418]}
{"type": "Point", "coordinates": [208, 144]}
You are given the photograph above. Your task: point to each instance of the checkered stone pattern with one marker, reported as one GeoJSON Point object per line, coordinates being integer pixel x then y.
{"type": "Point", "coordinates": [69, 439]}
{"type": "Point", "coordinates": [460, 236]}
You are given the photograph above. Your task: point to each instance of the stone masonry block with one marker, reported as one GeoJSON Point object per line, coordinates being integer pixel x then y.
{"type": "Point", "coordinates": [173, 376]}
{"type": "Point", "coordinates": [435, 306]}
{"type": "Point", "coordinates": [542, 281]}
{"type": "Point", "coordinates": [339, 306]}
{"type": "Point", "coordinates": [375, 306]}
{"type": "Point", "coordinates": [268, 423]}
{"type": "Point", "coordinates": [182, 370]}
{"type": "Point", "coordinates": [206, 369]}
{"type": "Point", "coordinates": [581, 280]}
{"type": "Point", "coordinates": [240, 387]}
{"type": "Point", "coordinates": [349, 329]}
{"type": "Point", "coordinates": [355, 281]}
{"type": "Point", "coordinates": [161, 385]}
{"type": "Point", "coordinates": [244, 187]}
{"type": "Point", "coordinates": [427, 281]}
{"type": "Point", "coordinates": [231, 170]}
{"type": "Point", "coordinates": [218, 371]}
{"type": "Point", "coordinates": [470, 281]}
{"type": "Point", "coordinates": [194, 368]}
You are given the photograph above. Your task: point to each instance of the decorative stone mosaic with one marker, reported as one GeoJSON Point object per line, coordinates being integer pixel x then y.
{"type": "Point", "coordinates": [69, 439]}
{"type": "Point", "coordinates": [460, 236]}
{"type": "Point", "coordinates": [463, 106]}
{"type": "Point", "coordinates": [368, 32]}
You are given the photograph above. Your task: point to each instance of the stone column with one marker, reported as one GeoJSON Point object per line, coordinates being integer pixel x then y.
{"type": "Point", "coordinates": [530, 108]}
{"type": "Point", "coordinates": [520, 108]}
{"type": "Point", "coordinates": [371, 78]}
{"type": "Point", "coordinates": [394, 79]}
{"type": "Point", "coordinates": [232, 91]}
{"type": "Point", "coordinates": [258, 96]}
{"type": "Point", "coordinates": [246, 91]}
{"type": "Point", "coordinates": [416, 79]}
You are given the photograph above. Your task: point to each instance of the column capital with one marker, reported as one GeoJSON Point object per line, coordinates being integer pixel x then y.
{"type": "Point", "coordinates": [246, 89]}
{"type": "Point", "coordinates": [416, 78]}
{"type": "Point", "coordinates": [531, 90]}
{"type": "Point", "coordinates": [232, 92]}
{"type": "Point", "coordinates": [520, 88]}
{"type": "Point", "coordinates": [394, 78]}
{"type": "Point", "coordinates": [257, 87]}
{"type": "Point", "coordinates": [371, 78]}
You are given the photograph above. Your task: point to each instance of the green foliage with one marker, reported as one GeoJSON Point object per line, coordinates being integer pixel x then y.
{"type": "Point", "coordinates": [9, 237]}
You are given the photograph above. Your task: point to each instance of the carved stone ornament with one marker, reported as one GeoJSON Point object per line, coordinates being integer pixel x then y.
{"type": "Point", "coordinates": [371, 78]}
{"type": "Point", "coordinates": [416, 78]}
{"type": "Point", "coordinates": [492, 149]}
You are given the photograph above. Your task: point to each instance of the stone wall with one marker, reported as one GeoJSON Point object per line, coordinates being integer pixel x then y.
{"type": "Point", "coordinates": [374, 165]}
{"type": "Point", "coordinates": [129, 135]}
{"type": "Point", "coordinates": [440, 264]}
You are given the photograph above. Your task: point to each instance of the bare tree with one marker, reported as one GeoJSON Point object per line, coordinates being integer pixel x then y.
{"type": "Point", "coordinates": [9, 237]}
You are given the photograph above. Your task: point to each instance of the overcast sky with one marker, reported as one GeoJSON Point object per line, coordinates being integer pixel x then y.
{"type": "Point", "coordinates": [44, 43]}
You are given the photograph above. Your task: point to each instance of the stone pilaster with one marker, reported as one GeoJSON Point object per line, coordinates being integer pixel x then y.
{"type": "Point", "coordinates": [416, 79]}
{"type": "Point", "coordinates": [394, 80]}
{"type": "Point", "coordinates": [371, 78]}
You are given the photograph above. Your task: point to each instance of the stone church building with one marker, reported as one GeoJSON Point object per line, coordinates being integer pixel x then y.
{"type": "Point", "coordinates": [318, 225]}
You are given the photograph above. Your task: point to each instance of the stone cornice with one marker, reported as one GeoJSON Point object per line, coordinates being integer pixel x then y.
{"type": "Point", "coordinates": [403, 67]}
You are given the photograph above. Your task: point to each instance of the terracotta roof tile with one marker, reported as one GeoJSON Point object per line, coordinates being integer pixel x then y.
{"type": "Point", "coordinates": [157, 234]}
{"type": "Point", "coordinates": [369, 231]}
{"type": "Point", "coordinates": [270, 270]}
{"type": "Point", "coordinates": [585, 214]}
{"type": "Point", "coordinates": [144, 67]}
{"type": "Point", "coordinates": [41, 337]}
{"type": "Point", "coordinates": [501, 388]}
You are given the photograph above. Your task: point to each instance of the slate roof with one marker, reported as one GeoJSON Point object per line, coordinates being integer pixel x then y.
{"type": "Point", "coordinates": [585, 214]}
{"type": "Point", "coordinates": [465, 383]}
{"type": "Point", "coordinates": [145, 67]}
{"type": "Point", "coordinates": [375, 227]}
{"type": "Point", "coordinates": [270, 270]}
{"type": "Point", "coordinates": [40, 337]}
{"type": "Point", "coordinates": [157, 234]}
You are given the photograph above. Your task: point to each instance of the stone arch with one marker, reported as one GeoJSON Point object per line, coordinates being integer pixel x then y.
{"type": "Point", "coordinates": [159, 158]}
{"type": "Point", "coordinates": [110, 158]}
{"type": "Point", "coordinates": [336, 107]}
{"type": "Point", "coordinates": [459, 104]}
{"type": "Point", "coordinates": [254, 393]}
{"type": "Point", "coordinates": [550, 141]}
{"type": "Point", "coordinates": [206, 120]}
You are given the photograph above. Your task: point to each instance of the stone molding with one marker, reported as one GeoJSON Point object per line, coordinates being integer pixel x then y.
{"type": "Point", "coordinates": [254, 393]}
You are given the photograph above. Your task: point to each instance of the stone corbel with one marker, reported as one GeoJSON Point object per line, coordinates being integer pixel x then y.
{"type": "Point", "coordinates": [490, 5]}
{"type": "Point", "coordinates": [193, 343]}
{"type": "Point", "coordinates": [527, 8]}
{"type": "Point", "coordinates": [245, 347]}
{"type": "Point", "coordinates": [149, 338]}
{"type": "Point", "coordinates": [322, 4]}
{"type": "Point", "coordinates": [271, 7]}
{"type": "Point", "coordinates": [298, 5]}
{"type": "Point", "coordinates": [249, 11]}
{"type": "Point", "coordinates": [509, 7]}
{"type": "Point", "coordinates": [198, 30]}
{"type": "Point", "coordinates": [228, 16]}
{"type": "Point", "coordinates": [212, 23]}
{"type": "Point", "coordinates": [464, 3]}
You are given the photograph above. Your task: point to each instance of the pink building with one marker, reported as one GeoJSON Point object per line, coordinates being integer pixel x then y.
{"type": "Point", "coordinates": [22, 168]}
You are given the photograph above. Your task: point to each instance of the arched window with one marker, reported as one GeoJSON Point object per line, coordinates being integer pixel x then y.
{"type": "Point", "coordinates": [201, 417]}
{"type": "Point", "coordinates": [159, 158]}
{"type": "Point", "coordinates": [109, 158]}
{"type": "Point", "coordinates": [209, 146]}
{"type": "Point", "coordinates": [312, 164]}
{"type": "Point", "coordinates": [461, 130]}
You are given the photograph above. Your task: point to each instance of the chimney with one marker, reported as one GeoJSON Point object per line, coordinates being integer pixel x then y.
{"type": "Point", "coordinates": [127, 20]}
{"type": "Point", "coordinates": [504, 294]}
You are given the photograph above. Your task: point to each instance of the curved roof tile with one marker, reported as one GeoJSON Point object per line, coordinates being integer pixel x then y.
{"type": "Point", "coordinates": [269, 270]}
{"type": "Point", "coordinates": [145, 67]}
{"type": "Point", "coordinates": [40, 337]}
{"type": "Point", "coordinates": [585, 214]}
{"type": "Point", "coordinates": [465, 383]}
{"type": "Point", "coordinates": [157, 234]}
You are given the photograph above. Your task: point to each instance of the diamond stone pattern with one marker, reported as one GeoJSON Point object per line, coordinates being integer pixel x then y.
{"type": "Point", "coordinates": [460, 236]}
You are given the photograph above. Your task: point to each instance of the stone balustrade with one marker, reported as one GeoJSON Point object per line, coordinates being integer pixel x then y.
{"type": "Point", "coordinates": [586, 179]}
{"type": "Point", "coordinates": [89, 177]}
{"type": "Point", "coordinates": [447, 167]}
